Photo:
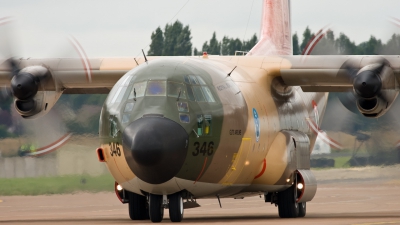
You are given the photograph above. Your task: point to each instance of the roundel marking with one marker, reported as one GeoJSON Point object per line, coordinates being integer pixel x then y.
{"type": "Point", "coordinates": [256, 124]}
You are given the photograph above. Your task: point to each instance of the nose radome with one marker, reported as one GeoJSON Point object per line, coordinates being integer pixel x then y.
{"type": "Point", "coordinates": [155, 148]}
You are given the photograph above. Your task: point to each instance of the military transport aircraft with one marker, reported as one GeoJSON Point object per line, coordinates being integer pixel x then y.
{"type": "Point", "coordinates": [177, 129]}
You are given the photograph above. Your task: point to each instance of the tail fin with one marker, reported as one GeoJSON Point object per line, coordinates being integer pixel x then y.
{"type": "Point", "coordinates": [275, 37]}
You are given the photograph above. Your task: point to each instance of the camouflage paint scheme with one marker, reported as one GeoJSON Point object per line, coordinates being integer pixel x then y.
{"type": "Point", "coordinates": [240, 162]}
{"type": "Point", "coordinates": [238, 157]}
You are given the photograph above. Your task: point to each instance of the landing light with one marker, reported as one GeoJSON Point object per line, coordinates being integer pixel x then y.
{"type": "Point", "coordinates": [119, 187]}
{"type": "Point", "coordinates": [300, 186]}
{"type": "Point", "coordinates": [287, 180]}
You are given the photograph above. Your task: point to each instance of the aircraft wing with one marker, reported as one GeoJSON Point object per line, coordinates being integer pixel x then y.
{"type": "Point", "coordinates": [336, 73]}
{"type": "Point", "coordinates": [76, 76]}
{"type": "Point", "coordinates": [373, 78]}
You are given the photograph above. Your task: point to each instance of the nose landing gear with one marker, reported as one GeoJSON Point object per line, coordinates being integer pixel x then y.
{"type": "Point", "coordinates": [175, 207]}
{"type": "Point", "coordinates": [138, 207]}
{"type": "Point", "coordinates": [156, 209]}
{"type": "Point", "coordinates": [152, 207]}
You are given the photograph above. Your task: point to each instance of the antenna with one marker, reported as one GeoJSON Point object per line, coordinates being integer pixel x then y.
{"type": "Point", "coordinates": [219, 201]}
{"type": "Point", "coordinates": [229, 74]}
{"type": "Point", "coordinates": [145, 58]}
{"type": "Point", "coordinates": [136, 61]}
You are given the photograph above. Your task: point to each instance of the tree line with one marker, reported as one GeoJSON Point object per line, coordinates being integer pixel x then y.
{"type": "Point", "coordinates": [176, 40]}
{"type": "Point", "coordinates": [342, 45]}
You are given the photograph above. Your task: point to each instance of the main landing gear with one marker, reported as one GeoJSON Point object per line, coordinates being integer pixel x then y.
{"type": "Point", "coordinates": [154, 210]}
{"type": "Point", "coordinates": [288, 206]}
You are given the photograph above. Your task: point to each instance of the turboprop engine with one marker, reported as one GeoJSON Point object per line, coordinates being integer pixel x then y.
{"type": "Point", "coordinates": [34, 89]}
{"type": "Point", "coordinates": [374, 89]}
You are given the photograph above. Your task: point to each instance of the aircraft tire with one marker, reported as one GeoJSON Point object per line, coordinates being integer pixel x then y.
{"type": "Point", "coordinates": [156, 210]}
{"type": "Point", "coordinates": [302, 209]}
{"type": "Point", "coordinates": [176, 207]}
{"type": "Point", "coordinates": [287, 205]}
{"type": "Point", "coordinates": [138, 209]}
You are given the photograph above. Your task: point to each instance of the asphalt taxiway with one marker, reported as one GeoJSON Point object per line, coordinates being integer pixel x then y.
{"type": "Point", "coordinates": [363, 197]}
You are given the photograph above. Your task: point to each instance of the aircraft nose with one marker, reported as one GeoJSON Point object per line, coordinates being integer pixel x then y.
{"type": "Point", "coordinates": [155, 148]}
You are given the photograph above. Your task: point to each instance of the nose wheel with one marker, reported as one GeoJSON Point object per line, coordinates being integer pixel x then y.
{"type": "Point", "coordinates": [175, 207]}
{"type": "Point", "coordinates": [138, 208]}
{"type": "Point", "coordinates": [156, 209]}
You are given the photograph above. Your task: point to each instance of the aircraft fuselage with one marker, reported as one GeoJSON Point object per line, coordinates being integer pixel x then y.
{"type": "Point", "coordinates": [183, 123]}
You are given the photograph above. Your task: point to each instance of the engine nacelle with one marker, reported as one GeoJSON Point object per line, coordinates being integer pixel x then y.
{"type": "Point", "coordinates": [375, 89]}
{"type": "Point", "coordinates": [37, 106]}
{"type": "Point", "coordinates": [35, 91]}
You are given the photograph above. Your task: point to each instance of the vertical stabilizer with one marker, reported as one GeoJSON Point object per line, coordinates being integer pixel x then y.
{"type": "Point", "coordinates": [275, 36]}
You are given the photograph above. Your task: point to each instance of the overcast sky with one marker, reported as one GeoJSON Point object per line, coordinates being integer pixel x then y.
{"type": "Point", "coordinates": [121, 28]}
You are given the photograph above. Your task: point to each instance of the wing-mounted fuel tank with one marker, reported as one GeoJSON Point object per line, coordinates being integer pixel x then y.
{"type": "Point", "coordinates": [34, 89]}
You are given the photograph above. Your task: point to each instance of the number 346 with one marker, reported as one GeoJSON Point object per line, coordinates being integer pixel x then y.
{"type": "Point", "coordinates": [203, 148]}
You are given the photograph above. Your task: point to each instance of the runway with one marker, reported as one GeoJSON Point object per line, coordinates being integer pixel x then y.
{"type": "Point", "coordinates": [341, 200]}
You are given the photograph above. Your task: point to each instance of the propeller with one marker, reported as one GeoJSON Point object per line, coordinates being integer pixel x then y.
{"type": "Point", "coordinates": [27, 81]}
{"type": "Point", "coordinates": [373, 85]}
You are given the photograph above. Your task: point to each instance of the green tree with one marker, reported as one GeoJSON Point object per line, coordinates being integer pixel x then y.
{"type": "Point", "coordinates": [195, 52]}
{"type": "Point", "coordinates": [296, 47]}
{"type": "Point", "coordinates": [326, 46]}
{"type": "Point", "coordinates": [184, 43]}
{"type": "Point", "coordinates": [225, 46]}
{"type": "Point", "coordinates": [205, 47]}
{"type": "Point", "coordinates": [371, 47]}
{"type": "Point", "coordinates": [344, 46]}
{"type": "Point", "coordinates": [248, 45]}
{"type": "Point", "coordinates": [171, 33]}
{"type": "Point", "coordinates": [307, 35]}
{"type": "Point", "coordinates": [330, 35]}
{"type": "Point", "coordinates": [157, 43]}
{"type": "Point", "coordinates": [214, 48]}
{"type": "Point", "coordinates": [392, 47]}
{"type": "Point", "coordinates": [230, 45]}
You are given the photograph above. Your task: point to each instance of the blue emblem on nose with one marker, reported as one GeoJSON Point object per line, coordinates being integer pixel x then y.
{"type": "Point", "coordinates": [256, 124]}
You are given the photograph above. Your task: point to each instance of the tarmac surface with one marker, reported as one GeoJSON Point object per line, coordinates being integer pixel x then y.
{"type": "Point", "coordinates": [366, 196]}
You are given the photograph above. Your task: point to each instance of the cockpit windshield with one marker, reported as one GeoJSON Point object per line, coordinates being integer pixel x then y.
{"type": "Point", "coordinates": [176, 90]}
{"type": "Point", "coordinates": [156, 88]}
{"type": "Point", "coordinates": [194, 88]}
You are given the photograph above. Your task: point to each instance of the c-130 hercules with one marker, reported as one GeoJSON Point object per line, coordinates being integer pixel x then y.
{"type": "Point", "coordinates": [177, 129]}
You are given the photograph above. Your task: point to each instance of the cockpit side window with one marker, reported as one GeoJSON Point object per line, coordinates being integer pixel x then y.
{"type": "Point", "coordinates": [186, 77]}
{"type": "Point", "coordinates": [190, 93]}
{"type": "Point", "coordinates": [208, 94]}
{"type": "Point", "coordinates": [122, 91]}
{"type": "Point", "coordinates": [201, 81]}
{"type": "Point", "coordinates": [197, 89]}
{"type": "Point", "coordinates": [198, 93]}
{"type": "Point", "coordinates": [193, 79]}
{"type": "Point", "coordinates": [117, 93]}
{"type": "Point", "coordinates": [156, 88]}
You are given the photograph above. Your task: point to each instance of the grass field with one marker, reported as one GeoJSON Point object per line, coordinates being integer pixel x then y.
{"type": "Point", "coordinates": [342, 162]}
{"type": "Point", "coordinates": [55, 185]}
